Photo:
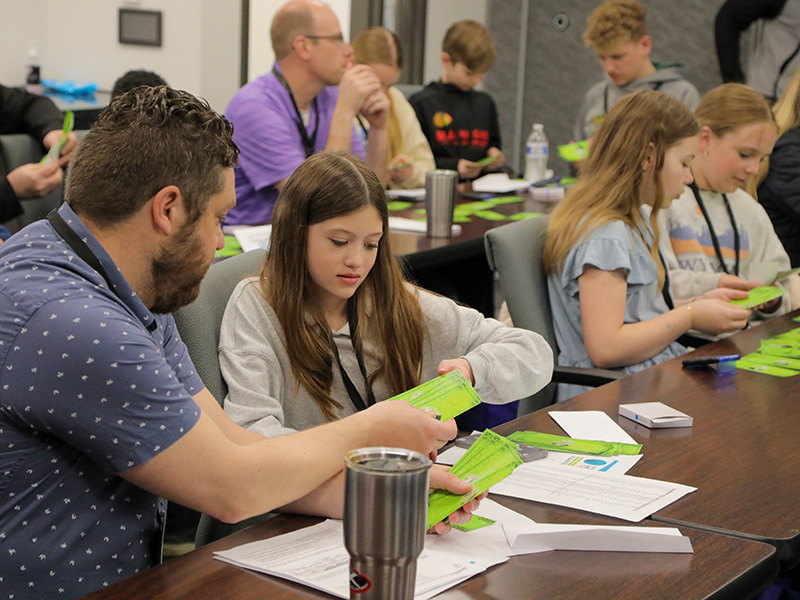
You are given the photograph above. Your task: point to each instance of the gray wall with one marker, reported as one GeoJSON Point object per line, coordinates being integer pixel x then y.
{"type": "Point", "coordinates": [558, 69]}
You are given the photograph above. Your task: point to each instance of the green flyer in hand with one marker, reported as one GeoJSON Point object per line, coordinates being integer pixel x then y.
{"type": "Point", "coordinates": [562, 443]}
{"type": "Point", "coordinates": [55, 149]}
{"type": "Point", "coordinates": [760, 295]}
{"type": "Point", "coordinates": [476, 522]}
{"type": "Point", "coordinates": [447, 396]}
{"type": "Point", "coordinates": [488, 461]}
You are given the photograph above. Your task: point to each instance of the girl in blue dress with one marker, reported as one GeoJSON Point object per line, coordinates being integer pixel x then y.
{"type": "Point", "coordinates": [610, 296]}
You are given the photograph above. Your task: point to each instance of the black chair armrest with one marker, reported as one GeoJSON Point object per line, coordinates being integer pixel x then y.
{"type": "Point", "coordinates": [695, 339]}
{"type": "Point", "coordinates": [585, 376]}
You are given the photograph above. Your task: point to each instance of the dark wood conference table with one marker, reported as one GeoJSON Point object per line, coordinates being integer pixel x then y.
{"type": "Point", "coordinates": [721, 567]}
{"type": "Point", "coordinates": [456, 266]}
{"type": "Point", "coordinates": [742, 452]}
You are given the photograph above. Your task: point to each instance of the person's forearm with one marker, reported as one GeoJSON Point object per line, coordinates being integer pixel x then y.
{"type": "Point", "coordinates": [636, 342]}
{"type": "Point", "coordinates": [340, 134]}
{"type": "Point", "coordinates": [327, 500]}
{"type": "Point", "coordinates": [377, 153]}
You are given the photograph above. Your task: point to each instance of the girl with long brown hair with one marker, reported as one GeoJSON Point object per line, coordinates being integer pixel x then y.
{"type": "Point", "coordinates": [611, 302]}
{"type": "Point", "coordinates": [332, 326]}
{"type": "Point", "coordinates": [715, 233]}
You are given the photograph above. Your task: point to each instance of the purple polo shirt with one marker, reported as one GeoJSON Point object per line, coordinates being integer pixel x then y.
{"type": "Point", "coordinates": [265, 127]}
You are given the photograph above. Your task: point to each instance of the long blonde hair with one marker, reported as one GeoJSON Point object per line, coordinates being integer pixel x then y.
{"type": "Point", "coordinates": [641, 126]}
{"type": "Point", "coordinates": [378, 45]}
{"type": "Point", "coordinates": [787, 116]}
{"type": "Point", "coordinates": [325, 186]}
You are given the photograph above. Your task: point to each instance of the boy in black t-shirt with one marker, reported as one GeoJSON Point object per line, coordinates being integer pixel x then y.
{"type": "Point", "coordinates": [461, 124]}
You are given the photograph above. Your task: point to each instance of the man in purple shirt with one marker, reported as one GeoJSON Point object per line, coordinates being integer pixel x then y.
{"type": "Point", "coordinates": [296, 110]}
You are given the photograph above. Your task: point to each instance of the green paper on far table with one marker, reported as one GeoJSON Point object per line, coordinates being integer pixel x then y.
{"type": "Point", "coordinates": [488, 461]}
{"type": "Point", "coordinates": [476, 522]}
{"type": "Point", "coordinates": [231, 248]}
{"type": "Point", "coordinates": [760, 295]}
{"type": "Point", "coordinates": [500, 200]}
{"type": "Point", "coordinates": [490, 215]}
{"type": "Point", "coordinates": [521, 216]}
{"type": "Point", "coordinates": [562, 443]}
{"type": "Point", "coordinates": [447, 396]}
{"type": "Point", "coordinates": [398, 205]}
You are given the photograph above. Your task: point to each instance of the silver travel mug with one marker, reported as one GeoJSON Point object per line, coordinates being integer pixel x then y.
{"type": "Point", "coordinates": [385, 509]}
{"type": "Point", "coordinates": [441, 190]}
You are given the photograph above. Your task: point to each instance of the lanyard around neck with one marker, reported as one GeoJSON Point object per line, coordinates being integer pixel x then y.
{"type": "Point", "coordinates": [355, 396]}
{"type": "Point", "coordinates": [84, 252]}
{"type": "Point", "coordinates": [714, 238]}
{"type": "Point", "coordinates": [309, 141]}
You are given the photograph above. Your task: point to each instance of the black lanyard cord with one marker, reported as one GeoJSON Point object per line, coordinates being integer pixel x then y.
{"type": "Point", "coordinates": [355, 396]}
{"type": "Point", "coordinates": [83, 251]}
{"type": "Point", "coordinates": [714, 239]}
{"type": "Point", "coordinates": [309, 141]}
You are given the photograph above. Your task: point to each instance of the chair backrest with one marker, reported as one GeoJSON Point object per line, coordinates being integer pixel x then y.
{"type": "Point", "coordinates": [199, 322]}
{"type": "Point", "coordinates": [514, 252]}
{"type": "Point", "coordinates": [20, 149]}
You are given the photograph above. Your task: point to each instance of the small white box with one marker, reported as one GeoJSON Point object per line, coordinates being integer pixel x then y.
{"type": "Point", "coordinates": [655, 415]}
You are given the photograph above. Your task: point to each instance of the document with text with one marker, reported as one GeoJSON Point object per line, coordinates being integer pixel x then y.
{"type": "Point", "coordinates": [621, 496]}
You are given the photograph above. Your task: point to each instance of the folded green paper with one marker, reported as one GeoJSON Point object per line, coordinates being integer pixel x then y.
{"type": "Point", "coordinates": [446, 396]}
{"type": "Point", "coordinates": [562, 443]}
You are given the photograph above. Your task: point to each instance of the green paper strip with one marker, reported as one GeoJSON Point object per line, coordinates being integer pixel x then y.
{"type": "Point", "coordinates": [476, 522]}
{"type": "Point", "coordinates": [760, 295]}
{"type": "Point", "coordinates": [783, 362]}
{"type": "Point", "coordinates": [500, 200]}
{"type": "Point", "coordinates": [521, 216]}
{"type": "Point", "coordinates": [490, 215]}
{"type": "Point", "coordinates": [66, 128]}
{"type": "Point", "coordinates": [562, 443]}
{"type": "Point", "coordinates": [487, 160]}
{"type": "Point", "coordinates": [488, 461]}
{"type": "Point", "coordinates": [750, 365]}
{"type": "Point", "coordinates": [231, 248]}
{"type": "Point", "coordinates": [398, 205]}
{"type": "Point", "coordinates": [447, 396]}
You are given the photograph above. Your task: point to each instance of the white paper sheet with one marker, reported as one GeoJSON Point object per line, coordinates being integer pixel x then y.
{"type": "Point", "coordinates": [316, 557]}
{"type": "Point", "coordinates": [618, 465]}
{"type": "Point", "coordinates": [498, 183]}
{"type": "Point", "coordinates": [545, 536]}
{"type": "Point", "coordinates": [590, 425]}
{"type": "Point", "coordinates": [621, 496]}
{"type": "Point", "coordinates": [403, 224]}
{"type": "Point", "coordinates": [250, 238]}
{"type": "Point", "coordinates": [409, 194]}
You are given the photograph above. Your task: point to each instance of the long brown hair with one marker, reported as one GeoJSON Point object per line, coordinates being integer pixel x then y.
{"type": "Point", "coordinates": [641, 126]}
{"type": "Point", "coordinates": [329, 185]}
{"type": "Point", "coordinates": [378, 45]}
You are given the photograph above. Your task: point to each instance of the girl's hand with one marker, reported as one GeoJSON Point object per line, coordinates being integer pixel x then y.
{"type": "Point", "coordinates": [717, 316]}
{"type": "Point", "coordinates": [461, 364]}
{"type": "Point", "coordinates": [400, 168]}
{"type": "Point", "coordinates": [737, 283]}
{"type": "Point", "coordinates": [725, 293]}
{"type": "Point", "coordinates": [441, 478]}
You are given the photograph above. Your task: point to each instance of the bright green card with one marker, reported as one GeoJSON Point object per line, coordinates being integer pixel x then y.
{"type": "Point", "coordinates": [488, 461]}
{"type": "Point", "coordinates": [521, 216]}
{"type": "Point", "coordinates": [562, 443]}
{"type": "Point", "coordinates": [749, 364]}
{"type": "Point", "coordinates": [476, 522]}
{"type": "Point", "coordinates": [398, 205]}
{"type": "Point", "coordinates": [490, 215]}
{"type": "Point", "coordinates": [447, 396]}
{"type": "Point", "coordinates": [760, 295]}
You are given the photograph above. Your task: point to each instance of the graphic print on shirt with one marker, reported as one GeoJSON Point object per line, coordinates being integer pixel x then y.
{"type": "Point", "coordinates": [458, 137]}
{"type": "Point", "coordinates": [693, 245]}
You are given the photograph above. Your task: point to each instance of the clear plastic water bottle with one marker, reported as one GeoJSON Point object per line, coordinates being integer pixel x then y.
{"type": "Point", "coordinates": [536, 154]}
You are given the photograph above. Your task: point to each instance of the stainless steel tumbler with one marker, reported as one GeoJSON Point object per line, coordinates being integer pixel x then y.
{"type": "Point", "coordinates": [441, 190]}
{"type": "Point", "coordinates": [385, 509]}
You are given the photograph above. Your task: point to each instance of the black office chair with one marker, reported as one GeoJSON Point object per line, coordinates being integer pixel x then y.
{"type": "Point", "coordinates": [514, 252]}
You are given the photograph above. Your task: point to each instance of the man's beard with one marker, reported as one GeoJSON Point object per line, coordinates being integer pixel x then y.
{"type": "Point", "coordinates": [177, 272]}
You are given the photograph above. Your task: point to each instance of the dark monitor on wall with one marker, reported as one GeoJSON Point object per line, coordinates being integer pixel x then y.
{"type": "Point", "coordinates": [140, 27]}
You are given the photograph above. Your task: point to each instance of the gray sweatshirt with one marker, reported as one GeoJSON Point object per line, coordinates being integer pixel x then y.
{"type": "Point", "coordinates": [603, 95]}
{"type": "Point", "coordinates": [508, 363]}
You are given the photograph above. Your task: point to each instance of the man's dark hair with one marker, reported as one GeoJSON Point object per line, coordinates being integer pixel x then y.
{"type": "Point", "coordinates": [147, 139]}
{"type": "Point", "coordinates": [134, 79]}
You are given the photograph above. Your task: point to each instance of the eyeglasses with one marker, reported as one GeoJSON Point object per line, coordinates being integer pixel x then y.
{"type": "Point", "coordinates": [338, 37]}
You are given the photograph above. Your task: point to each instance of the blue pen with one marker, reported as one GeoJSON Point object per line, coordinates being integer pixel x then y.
{"type": "Point", "coordinates": [704, 361]}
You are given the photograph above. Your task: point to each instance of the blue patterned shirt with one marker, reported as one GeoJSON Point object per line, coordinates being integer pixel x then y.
{"type": "Point", "coordinates": [87, 391]}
